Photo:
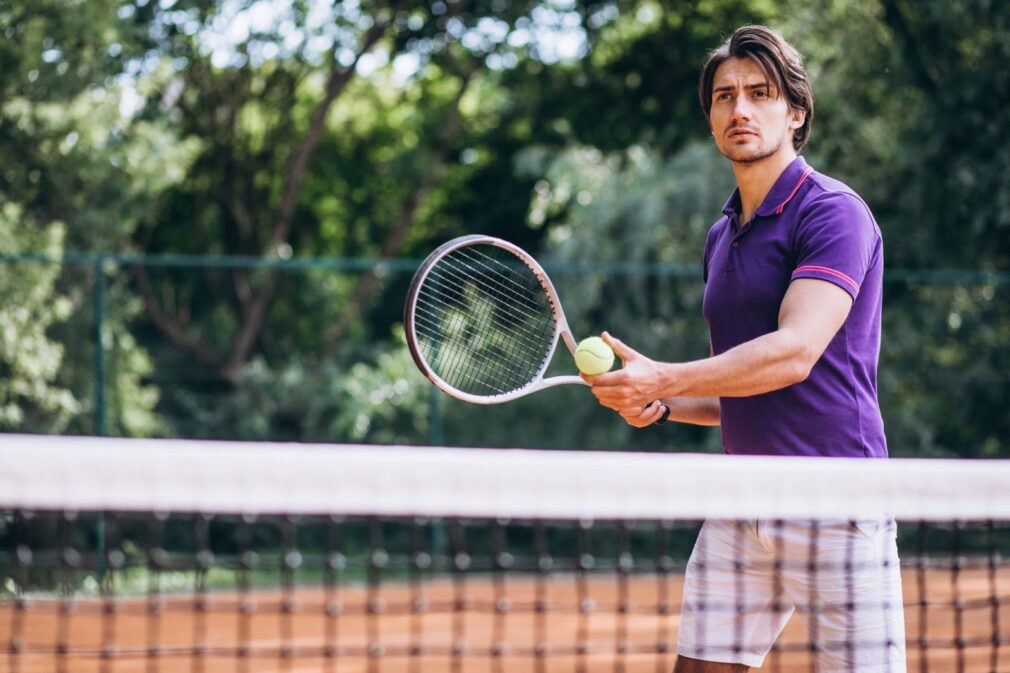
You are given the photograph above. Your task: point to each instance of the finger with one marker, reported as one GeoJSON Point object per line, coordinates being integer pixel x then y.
{"type": "Point", "coordinates": [610, 404]}
{"type": "Point", "coordinates": [621, 349]}
{"type": "Point", "coordinates": [607, 400]}
{"type": "Point", "coordinates": [642, 418]}
{"type": "Point", "coordinates": [621, 395]}
{"type": "Point", "coordinates": [639, 419]}
{"type": "Point", "coordinates": [653, 411]}
{"type": "Point", "coordinates": [607, 379]}
{"type": "Point", "coordinates": [636, 423]}
{"type": "Point", "coordinates": [650, 411]}
{"type": "Point", "coordinates": [613, 401]}
{"type": "Point", "coordinates": [638, 410]}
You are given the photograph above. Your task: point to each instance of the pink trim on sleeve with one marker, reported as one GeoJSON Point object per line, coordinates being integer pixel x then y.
{"type": "Point", "coordinates": [831, 272]}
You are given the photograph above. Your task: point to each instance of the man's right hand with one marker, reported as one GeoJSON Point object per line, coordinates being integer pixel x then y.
{"type": "Point", "coordinates": [644, 417]}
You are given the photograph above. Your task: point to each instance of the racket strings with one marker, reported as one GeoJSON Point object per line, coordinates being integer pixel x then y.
{"type": "Point", "coordinates": [488, 368]}
{"type": "Point", "coordinates": [522, 290]}
{"type": "Point", "coordinates": [455, 375]}
{"type": "Point", "coordinates": [511, 319]}
{"type": "Point", "coordinates": [506, 320]}
{"type": "Point", "coordinates": [532, 296]}
{"type": "Point", "coordinates": [519, 311]}
{"type": "Point", "coordinates": [485, 324]}
{"type": "Point", "coordinates": [482, 370]}
{"type": "Point", "coordinates": [510, 349]}
{"type": "Point", "coordinates": [435, 316]}
{"type": "Point", "coordinates": [523, 286]}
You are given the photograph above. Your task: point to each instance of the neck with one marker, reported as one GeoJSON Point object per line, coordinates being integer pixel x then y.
{"type": "Point", "coordinates": [756, 179]}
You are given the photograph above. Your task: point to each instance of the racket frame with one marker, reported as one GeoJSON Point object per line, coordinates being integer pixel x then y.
{"type": "Point", "coordinates": [561, 330]}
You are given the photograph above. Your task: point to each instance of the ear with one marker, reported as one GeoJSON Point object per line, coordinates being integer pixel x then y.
{"type": "Point", "coordinates": [799, 116]}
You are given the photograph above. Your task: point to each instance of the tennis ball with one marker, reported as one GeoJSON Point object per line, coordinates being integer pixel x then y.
{"type": "Point", "coordinates": [593, 356]}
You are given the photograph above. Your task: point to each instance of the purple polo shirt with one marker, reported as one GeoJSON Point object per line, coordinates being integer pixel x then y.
{"type": "Point", "coordinates": [809, 226]}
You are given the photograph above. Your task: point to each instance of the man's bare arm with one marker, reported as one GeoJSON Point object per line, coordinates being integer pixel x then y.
{"type": "Point", "coordinates": [810, 316]}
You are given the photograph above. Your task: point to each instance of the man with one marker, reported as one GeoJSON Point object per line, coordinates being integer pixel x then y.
{"type": "Point", "coordinates": [793, 274]}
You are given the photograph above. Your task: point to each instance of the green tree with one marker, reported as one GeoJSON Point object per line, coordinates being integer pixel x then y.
{"type": "Point", "coordinates": [915, 119]}
{"type": "Point", "coordinates": [380, 129]}
{"type": "Point", "coordinates": [421, 149]}
{"type": "Point", "coordinates": [30, 395]}
{"type": "Point", "coordinates": [299, 154]}
{"type": "Point", "coordinates": [76, 159]}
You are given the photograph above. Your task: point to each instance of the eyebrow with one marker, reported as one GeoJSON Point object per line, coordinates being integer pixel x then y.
{"type": "Point", "coordinates": [730, 87]}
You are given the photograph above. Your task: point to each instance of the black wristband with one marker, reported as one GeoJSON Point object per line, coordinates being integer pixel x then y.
{"type": "Point", "coordinates": [666, 414]}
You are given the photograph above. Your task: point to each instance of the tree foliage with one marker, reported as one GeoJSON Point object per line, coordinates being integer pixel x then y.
{"type": "Point", "coordinates": [379, 128]}
{"type": "Point", "coordinates": [29, 359]}
{"type": "Point", "coordinates": [76, 174]}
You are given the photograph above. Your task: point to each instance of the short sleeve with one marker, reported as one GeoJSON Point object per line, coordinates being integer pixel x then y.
{"type": "Point", "coordinates": [836, 241]}
{"type": "Point", "coordinates": [709, 243]}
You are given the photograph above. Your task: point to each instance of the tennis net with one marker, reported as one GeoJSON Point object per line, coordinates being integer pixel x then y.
{"type": "Point", "coordinates": [153, 555]}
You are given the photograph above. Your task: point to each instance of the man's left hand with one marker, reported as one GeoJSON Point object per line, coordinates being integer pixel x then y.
{"type": "Point", "coordinates": [631, 388]}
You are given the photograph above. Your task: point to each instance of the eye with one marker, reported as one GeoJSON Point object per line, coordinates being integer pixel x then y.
{"type": "Point", "coordinates": [761, 93]}
{"type": "Point", "coordinates": [723, 96]}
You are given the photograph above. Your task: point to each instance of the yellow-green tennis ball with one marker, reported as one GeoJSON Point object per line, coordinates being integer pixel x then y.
{"type": "Point", "coordinates": [594, 356]}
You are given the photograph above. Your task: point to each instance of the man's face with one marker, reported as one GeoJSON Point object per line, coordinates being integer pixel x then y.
{"type": "Point", "coordinates": [749, 119]}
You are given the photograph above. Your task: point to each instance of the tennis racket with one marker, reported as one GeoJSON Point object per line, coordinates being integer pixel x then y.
{"type": "Point", "coordinates": [483, 320]}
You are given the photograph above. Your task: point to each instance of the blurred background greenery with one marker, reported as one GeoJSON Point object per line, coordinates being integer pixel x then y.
{"type": "Point", "coordinates": [210, 209]}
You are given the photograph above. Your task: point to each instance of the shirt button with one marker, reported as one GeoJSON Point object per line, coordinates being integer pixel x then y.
{"type": "Point", "coordinates": [735, 244]}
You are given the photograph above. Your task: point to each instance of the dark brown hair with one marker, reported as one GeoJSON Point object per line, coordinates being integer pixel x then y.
{"type": "Point", "coordinates": [781, 64]}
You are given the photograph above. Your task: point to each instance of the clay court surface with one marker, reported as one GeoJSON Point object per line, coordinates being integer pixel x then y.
{"type": "Point", "coordinates": [209, 640]}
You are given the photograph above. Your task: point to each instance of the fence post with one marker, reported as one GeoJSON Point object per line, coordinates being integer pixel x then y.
{"type": "Point", "coordinates": [99, 307]}
{"type": "Point", "coordinates": [436, 437]}
{"type": "Point", "coordinates": [99, 413]}
{"type": "Point", "coordinates": [436, 431]}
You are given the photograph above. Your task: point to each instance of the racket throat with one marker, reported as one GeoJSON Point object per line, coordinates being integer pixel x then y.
{"type": "Point", "coordinates": [561, 381]}
{"type": "Point", "coordinates": [566, 336]}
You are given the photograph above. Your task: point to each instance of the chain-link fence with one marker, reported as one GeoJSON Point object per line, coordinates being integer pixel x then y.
{"type": "Point", "coordinates": [155, 345]}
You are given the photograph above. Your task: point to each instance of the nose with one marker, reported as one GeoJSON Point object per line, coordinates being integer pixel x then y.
{"type": "Point", "coordinates": [742, 108]}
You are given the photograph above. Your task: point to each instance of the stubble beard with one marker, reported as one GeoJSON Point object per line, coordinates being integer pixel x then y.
{"type": "Point", "coordinates": [760, 154]}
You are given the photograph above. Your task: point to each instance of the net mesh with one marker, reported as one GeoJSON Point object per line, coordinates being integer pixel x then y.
{"type": "Point", "coordinates": [123, 555]}
{"type": "Point", "coordinates": [483, 321]}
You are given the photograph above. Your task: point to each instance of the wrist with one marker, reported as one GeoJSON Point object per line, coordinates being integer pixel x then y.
{"type": "Point", "coordinates": [672, 377]}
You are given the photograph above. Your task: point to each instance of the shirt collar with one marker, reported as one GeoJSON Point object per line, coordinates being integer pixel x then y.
{"type": "Point", "coordinates": [781, 193]}
{"type": "Point", "coordinates": [732, 207]}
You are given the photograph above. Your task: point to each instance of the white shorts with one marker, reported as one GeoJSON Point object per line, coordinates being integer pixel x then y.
{"type": "Point", "coordinates": [738, 598]}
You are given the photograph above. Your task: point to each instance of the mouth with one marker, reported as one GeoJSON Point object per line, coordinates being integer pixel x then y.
{"type": "Point", "coordinates": [736, 134]}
